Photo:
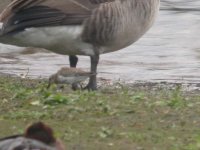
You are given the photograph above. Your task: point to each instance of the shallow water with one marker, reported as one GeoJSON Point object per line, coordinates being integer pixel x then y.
{"type": "Point", "coordinates": [170, 52]}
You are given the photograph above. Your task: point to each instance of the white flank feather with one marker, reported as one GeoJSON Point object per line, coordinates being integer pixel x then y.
{"type": "Point", "coordinates": [62, 40]}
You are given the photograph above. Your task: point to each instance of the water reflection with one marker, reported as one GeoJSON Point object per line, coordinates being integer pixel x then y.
{"type": "Point", "coordinates": [180, 5]}
{"type": "Point", "coordinates": [169, 52]}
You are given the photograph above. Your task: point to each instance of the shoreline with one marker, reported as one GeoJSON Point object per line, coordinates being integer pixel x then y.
{"type": "Point", "coordinates": [103, 83]}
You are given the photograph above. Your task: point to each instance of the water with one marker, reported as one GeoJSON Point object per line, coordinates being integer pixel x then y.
{"type": "Point", "coordinates": [170, 52]}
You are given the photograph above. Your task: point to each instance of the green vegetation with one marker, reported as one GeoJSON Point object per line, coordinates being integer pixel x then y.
{"type": "Point", "coordinates": [118, 117]}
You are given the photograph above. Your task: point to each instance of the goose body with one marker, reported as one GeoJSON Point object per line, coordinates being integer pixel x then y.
{"type": "Point", "coordinates": [77, 27]}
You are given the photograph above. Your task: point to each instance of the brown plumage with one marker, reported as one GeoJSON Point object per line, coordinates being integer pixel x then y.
{"type": "Point", "coordinates": [41, 132]}
{"type": "Point", "coordinates": [77, 27]}
{"type": "Point", "coordinates": [37, 136]}
{"type": "Point", "coordinates": [72, 76]}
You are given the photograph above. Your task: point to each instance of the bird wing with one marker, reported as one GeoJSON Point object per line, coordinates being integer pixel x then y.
{"type": "Point", "coordinates": [22, 14]}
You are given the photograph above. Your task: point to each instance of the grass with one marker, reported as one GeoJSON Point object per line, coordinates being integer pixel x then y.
{"type": "Point", "coordinates": [117, 117]}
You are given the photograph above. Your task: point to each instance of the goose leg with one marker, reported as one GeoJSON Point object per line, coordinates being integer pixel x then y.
{"type": "Point", "coordinates": [92, 85]}
{"type": "Point", "coordinates": [73, 60]}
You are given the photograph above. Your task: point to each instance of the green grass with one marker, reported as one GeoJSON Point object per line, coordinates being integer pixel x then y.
{"type": "Point", "coordinates": [118, 117]}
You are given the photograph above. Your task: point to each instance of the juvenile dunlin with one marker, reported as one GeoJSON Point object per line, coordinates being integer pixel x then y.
{"type": "Point", "coordinates": [72, 76]}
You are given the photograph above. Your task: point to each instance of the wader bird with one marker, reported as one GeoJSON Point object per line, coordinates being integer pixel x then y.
{"type": "Point", "coordinates": [77, 27]}
{"type": "Point", "coordinates": [73, 76]}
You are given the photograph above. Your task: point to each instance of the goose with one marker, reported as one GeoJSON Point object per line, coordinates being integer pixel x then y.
{"type": "Point", "coordinates": [77, 27]}
{"type": "Point", "coordinates": [37, 136]}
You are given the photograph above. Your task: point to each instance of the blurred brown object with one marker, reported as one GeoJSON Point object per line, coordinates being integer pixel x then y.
{"type": "Point", "coordinates": [37, 136]}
